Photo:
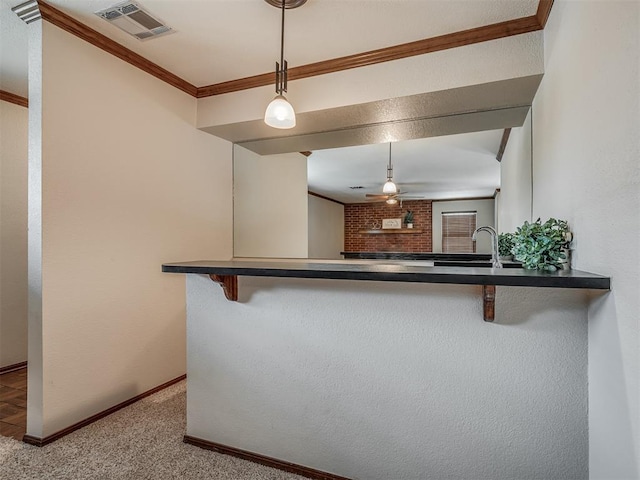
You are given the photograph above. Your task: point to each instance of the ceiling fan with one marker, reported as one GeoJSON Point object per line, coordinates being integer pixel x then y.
{"type": "Point", "coordinates": [390, 193]}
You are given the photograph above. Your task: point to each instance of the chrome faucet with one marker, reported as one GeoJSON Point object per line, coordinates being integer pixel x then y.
{"type": "Point", "coordinates": [495, 262]}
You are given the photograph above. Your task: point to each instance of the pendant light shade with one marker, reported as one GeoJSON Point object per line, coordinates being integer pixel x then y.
{"type": "Point", "coordinates": [389, 187]}
{"type": "Point", "coordinates": [280, 113]}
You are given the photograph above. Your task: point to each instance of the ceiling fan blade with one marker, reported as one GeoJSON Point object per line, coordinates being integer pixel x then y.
{"type": "Point", "coordinates": [373, 195]}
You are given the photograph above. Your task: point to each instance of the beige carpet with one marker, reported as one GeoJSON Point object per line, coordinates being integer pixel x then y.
{"type": "Point", "coordinates": [142, 441]}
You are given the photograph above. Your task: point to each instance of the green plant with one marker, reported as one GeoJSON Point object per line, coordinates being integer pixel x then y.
{"type": "Point", "coordinates": [408, 218]}
{"type": "Point", "coordinates": [505, 244]}
{"type": "Point", "coordinates": [539, 246]}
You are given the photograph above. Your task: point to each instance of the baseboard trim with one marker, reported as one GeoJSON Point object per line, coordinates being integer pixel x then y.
{"type": "Point", "coordinates": [13, 368]}
{"type": "Point", "coordinates": [41, 442]}
{"type": "Point", "coordinates": [263, 460]}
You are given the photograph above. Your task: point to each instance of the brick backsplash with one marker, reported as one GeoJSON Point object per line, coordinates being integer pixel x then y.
{"type": "Point", "coordinates": [361, 216]}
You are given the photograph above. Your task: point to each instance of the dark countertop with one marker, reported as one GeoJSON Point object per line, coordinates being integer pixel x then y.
{"type": "Point", "coordinates": [462, 257]}
{"type": "Point", "coordinates": [392, 271]}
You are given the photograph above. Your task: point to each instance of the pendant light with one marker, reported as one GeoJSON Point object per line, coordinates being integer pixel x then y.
{"type": "Point", "coordinates": [389, 187]}
{"type": "Point", "coordinates": [280, 113]}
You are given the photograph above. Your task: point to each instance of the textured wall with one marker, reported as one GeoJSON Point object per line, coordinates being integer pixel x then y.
{"type": "Point", "coordinates": [127, 183]}
{"type": "Point", "coordinates": [586, 119]}
{"type": "Point", "coordinates": [13, 233]}
{"type": "Point", "coordinates": [360, 216]}
{"type": "Point", "coordinates": [383, 380]}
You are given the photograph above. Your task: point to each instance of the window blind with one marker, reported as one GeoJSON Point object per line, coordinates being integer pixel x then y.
{"type": "Point", "coordinates": [457, 230]}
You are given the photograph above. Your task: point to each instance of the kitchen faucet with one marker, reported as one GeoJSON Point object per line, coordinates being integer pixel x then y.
{"type": "Point", "coordinates": [495, 262]}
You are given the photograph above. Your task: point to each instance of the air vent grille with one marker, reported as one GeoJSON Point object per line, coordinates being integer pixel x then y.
{"type": "Point", "coordinates": [143, 35]}
{"type": "Point", "coordinates": [111, 15]}
{"type": "Point", "coordinates": [145, 20]}
{"type": "Point", "coordinates": [129, 8]}
{"type": "Point", "coordinates": [135, 20]}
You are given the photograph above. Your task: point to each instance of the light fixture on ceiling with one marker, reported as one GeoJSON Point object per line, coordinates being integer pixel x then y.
{"type": "Point", "coordinates": [389, 187]}
{"type": "Point", "coordinates": [280, 113]}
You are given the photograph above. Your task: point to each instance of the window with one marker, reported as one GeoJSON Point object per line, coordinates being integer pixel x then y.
{"type": "Point", "coordinates": [457, 230]}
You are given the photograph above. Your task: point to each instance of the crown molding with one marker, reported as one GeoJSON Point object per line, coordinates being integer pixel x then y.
{"type": "Point", "coordinates": [80, 30]}
{"type": "Point", "coordinates": [503, 144]}
{"type": "Point", "coordinates": [12, 98]}
{"type": "Point", "coordinates": [459, 199]}
{"type": "Point", "coordinates": [544, 9]}
{"type": "Point", "coordinates": [485, 33]}
{"type": "Point", "coordinates": [314, 194]}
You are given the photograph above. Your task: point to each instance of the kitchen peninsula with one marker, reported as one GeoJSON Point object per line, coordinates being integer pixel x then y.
{"type": "Point", "coordinates": [273, 376]}
{"type": "Point", "coordinates": [391, 271]}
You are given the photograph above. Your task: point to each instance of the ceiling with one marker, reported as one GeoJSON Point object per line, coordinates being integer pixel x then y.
{"type": "Point", "coordinates": [221, 40]}
{"type": "Point", "coordinates": [451, 166]}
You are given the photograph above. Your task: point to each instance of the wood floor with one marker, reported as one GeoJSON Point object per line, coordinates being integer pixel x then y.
{"type": "Point", "coordinates": [13, 404]}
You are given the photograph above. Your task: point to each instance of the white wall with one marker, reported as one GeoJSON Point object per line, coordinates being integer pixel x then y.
{"type": "Point", "coordinates": [384, 380]}
{"type": "Point", "coordinates": [485, 217]}
{"type": "Point", "coordinates": [269, 205]}
{"type": "Point", "coordinates": [127, 183]}
{"type": "Point", "coordinates": [586, 119]}
{"type": "Point", "coordinates": [13, 233]}
{"type": "Point", "coordinates": [514, 201]}
{"type": "Point", "coordinates": [326, 228]}
{"type": "Point", "coordinates": [505, 58]}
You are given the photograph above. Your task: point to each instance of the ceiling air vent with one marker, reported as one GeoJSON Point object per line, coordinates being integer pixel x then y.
{"type": "Point", "coordinates": [135, 20]}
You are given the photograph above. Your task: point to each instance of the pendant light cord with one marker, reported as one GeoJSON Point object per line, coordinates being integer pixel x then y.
{"type": "Point", "coordinates": [282, 37]}
{"type": "Point", "coordinates": [281, 68]}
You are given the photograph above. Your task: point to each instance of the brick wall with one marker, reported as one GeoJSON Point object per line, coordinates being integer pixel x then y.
{"type": "Point", "coordinates": [360, 216]}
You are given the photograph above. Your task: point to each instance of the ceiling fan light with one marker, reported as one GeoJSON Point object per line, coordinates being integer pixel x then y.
{"type": "Point", "coordinates": [392, 201]}
{"type": "Point", "coordinates": [389, 187]}
{"type": "Point", "coordinates": [280, 113]}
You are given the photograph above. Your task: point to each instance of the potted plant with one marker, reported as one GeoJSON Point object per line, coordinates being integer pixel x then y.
{"type": "Point", "coordinates": [408, 219]}
{"type": "Point", "coordinates": [505, 246]}
{"type": "Point", "coordinates": [543, 246]}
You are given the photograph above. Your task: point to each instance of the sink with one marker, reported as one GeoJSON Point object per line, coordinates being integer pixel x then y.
{"type": "Point", "coordinates": [453, 263]}
{"type": "Point", "coordinates": [403, 263]}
